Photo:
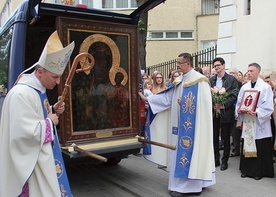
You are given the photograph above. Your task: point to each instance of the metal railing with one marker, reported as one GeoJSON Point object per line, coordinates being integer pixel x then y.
{"type": "Point", "coordinates": [200, 59]}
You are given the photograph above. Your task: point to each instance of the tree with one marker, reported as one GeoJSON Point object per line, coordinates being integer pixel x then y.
{"type": "Point", "coordinates": [143, 29]}
{"type": "Point", "coordinates": [5, 41]}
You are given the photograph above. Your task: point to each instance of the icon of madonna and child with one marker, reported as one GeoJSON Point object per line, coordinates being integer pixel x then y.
{"type": "Point", "coordinates": [100, 97]}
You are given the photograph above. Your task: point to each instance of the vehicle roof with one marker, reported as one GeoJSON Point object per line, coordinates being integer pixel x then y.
{"type": "Point", "coordinates": [36, 5]}
{"type": "Point", "coordinates": [133, 17]}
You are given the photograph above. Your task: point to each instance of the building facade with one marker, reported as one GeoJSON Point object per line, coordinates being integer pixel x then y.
{"type": "Point", "coordinates": [247, 33]}
{"type": "Point", "coordinates": [174, 27]}
{"type": "Point", "coordinates": [181, 26]}
{"type": "Point", "coordinates": [6, 9]}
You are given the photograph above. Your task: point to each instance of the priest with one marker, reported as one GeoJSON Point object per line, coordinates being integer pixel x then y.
{"type": "Point", "coordinates": [189, 103]}
{"type": "Point", "coordinates": [256, 158]}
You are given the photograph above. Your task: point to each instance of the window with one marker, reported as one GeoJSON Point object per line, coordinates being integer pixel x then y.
{"type": "Point", "coordinates": [121, 4]}
{"type": "Point", "coordinates": [208, 51]}
{"type": "Point", "coordinates": [68, 2]}
{"type": "Point", "coordinates": [89, 3]}
{"type": "Point", "coordinates": [170, 35]}
{"type": "Point", "coordinates": [208, 44]}
{"type": "Point", "coordinates": [101, 4]}
{"type": "Point", "coordinates": [210, 7]}
{"type": "Point", "coordinates": [107, 3]}
{"type": "Point", "coordinates": [133, 4]}
{"type": "Point", "coordinates": [187, 34]}
{"type": "Point", "coordinates": [117, 4]}
{"type": "Point", "coordinates": [157, 35]}
{"type": "Point", "coordinates": [247, 7]}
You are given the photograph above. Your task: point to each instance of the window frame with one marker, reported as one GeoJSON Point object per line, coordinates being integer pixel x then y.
{"type": "Point", "coordinates": [99, 4]}
{"type": "Point", "coordinates": [164, 33]}
{"type": "Point", "coordinates": [206, 8]}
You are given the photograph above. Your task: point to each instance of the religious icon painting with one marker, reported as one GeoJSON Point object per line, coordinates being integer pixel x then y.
{"type": "Point", "coordinates": [102, 101]}
{"type": "Point", "coordinates": [249, 101]}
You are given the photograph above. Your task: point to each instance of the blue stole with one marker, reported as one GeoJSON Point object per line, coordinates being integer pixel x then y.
{"type": "Point", "coordinates": [186, 131]}
{"type": "Point", "coordinates": [59, 163]}
{"type": "Point", "coordinates": [150, 118]}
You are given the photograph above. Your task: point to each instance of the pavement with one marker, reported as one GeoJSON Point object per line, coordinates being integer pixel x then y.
{"type": "Point", "coordinates": [137, 177]}
{"type": "Point", "coordinates": [230, 184]}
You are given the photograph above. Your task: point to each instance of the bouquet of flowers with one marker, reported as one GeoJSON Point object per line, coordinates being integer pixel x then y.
{"type": "Point", "coordinates": [219, 98]}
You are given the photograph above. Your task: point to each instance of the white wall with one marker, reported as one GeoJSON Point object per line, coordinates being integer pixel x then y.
{"type": "Point", "coordinates": [249, 38]}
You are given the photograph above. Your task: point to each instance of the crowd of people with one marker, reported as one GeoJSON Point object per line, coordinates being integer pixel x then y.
{"type": "Point", "coordinates": [157, 81]}
{"type": "Point", "coordinates": [246, 112]}
{"type": "Point", "coordinates": [194, 110]}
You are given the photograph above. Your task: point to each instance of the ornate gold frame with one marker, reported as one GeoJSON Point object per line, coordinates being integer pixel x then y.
{"type": "Point", "coordinates": [122, 47]}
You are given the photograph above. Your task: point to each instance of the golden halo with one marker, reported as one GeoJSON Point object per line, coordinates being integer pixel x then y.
{"type": "Point", "coordinates": [115, 67]}
{"type": "Point", "coordinates": [112, 74]}
{"type": "Point", "coordinates": [104, 39]}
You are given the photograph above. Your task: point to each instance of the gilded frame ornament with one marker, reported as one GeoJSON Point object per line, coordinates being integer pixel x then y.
{"type": "Point", "coordinates": [102, 103]}
{"type": "Point", "coordinates": [249, 101]}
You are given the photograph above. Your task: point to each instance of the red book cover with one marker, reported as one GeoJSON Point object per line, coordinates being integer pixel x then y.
{"type": "Point", "coordinates": [249, 100]}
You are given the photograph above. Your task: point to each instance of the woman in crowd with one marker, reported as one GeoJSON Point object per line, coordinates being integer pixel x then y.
{"type": "Point", "coordinates": [144, 77]}
{"type": "Point", "coordinates": [240, 77]}
{"type": "Point", "coordinates": [175, 74]}
{"type": "Point", "coordinates": [245, 78]}
{"type": "Point", "coordinates": [158, 83]}
{"type": "Point", "coordinates": [169, 78]}
{"type": "Point", "coordinates": [198, 69]}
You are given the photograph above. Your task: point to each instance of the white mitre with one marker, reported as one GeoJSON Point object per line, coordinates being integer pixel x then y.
{"type": "Point", "coordinates": [54, 57]}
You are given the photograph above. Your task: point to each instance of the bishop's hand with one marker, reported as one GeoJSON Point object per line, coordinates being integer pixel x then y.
{"type": "Point", "coordinates": [59, 107]}
{"type": "Point", "coordinates": [53, 117]}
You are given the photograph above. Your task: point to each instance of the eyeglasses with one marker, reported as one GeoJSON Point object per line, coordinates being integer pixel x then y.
{"type": "Point", "coordinates": [158, 77]}
{"type": "Point", "coordinates": [179, 63]}
{"type": "Point", "coordinates": [217, 65]}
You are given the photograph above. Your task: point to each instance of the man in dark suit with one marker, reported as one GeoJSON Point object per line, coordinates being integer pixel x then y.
{"type": "Point", "coordinates": [222, 123]}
